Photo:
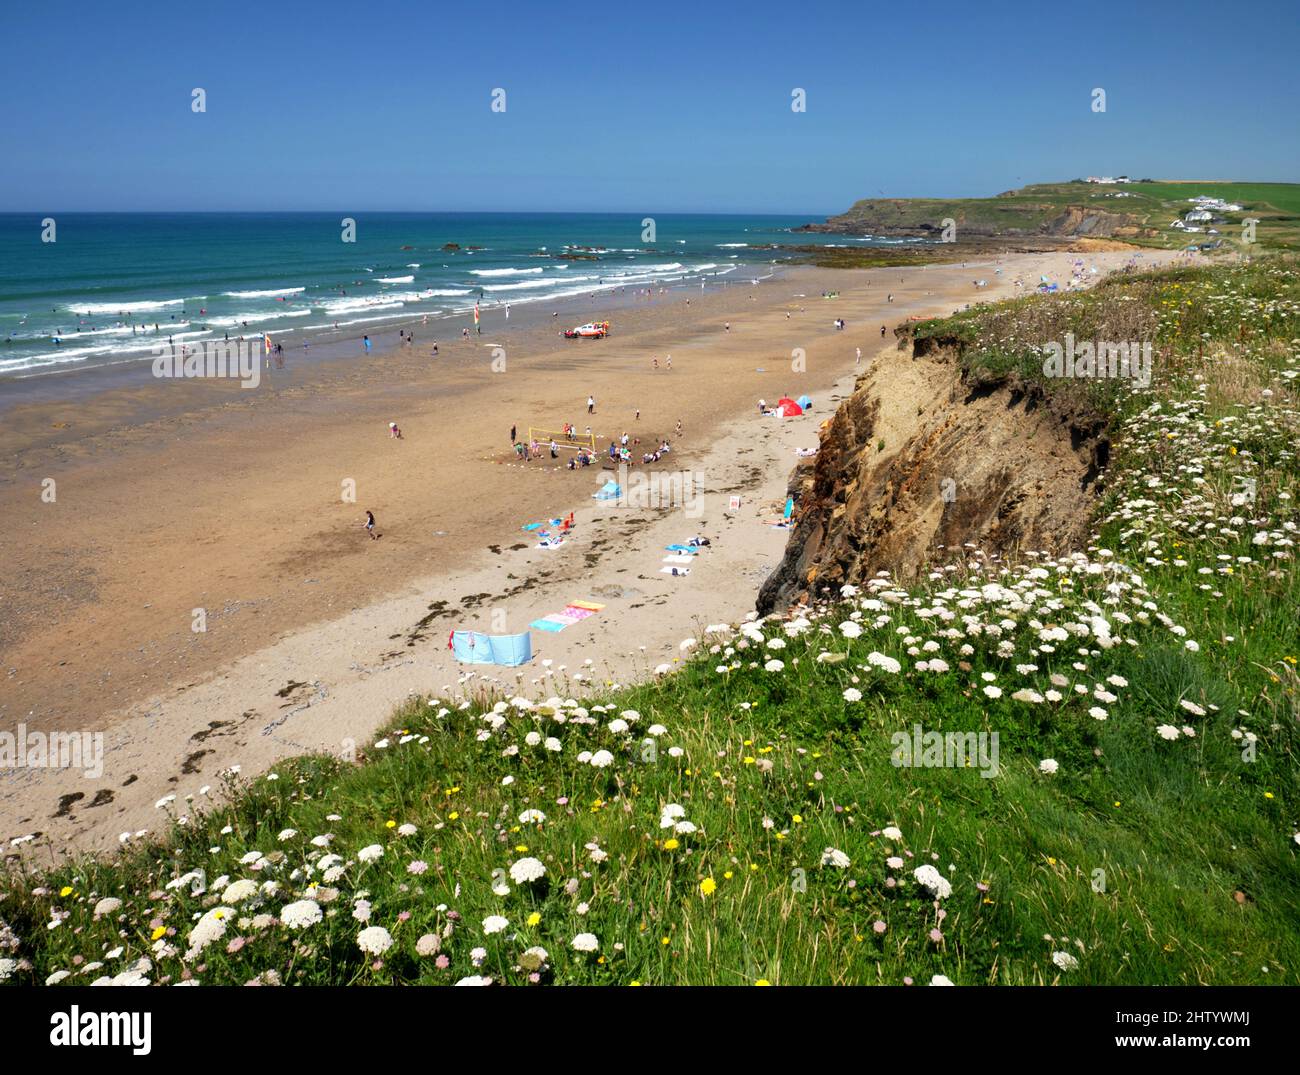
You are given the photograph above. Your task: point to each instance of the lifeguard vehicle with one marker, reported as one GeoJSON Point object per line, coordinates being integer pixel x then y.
{"type": "Point", "coordinates": [593, 330]}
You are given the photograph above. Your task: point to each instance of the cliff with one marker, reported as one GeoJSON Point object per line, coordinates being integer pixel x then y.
{"type": "Point", "coordinates": [924, 459]}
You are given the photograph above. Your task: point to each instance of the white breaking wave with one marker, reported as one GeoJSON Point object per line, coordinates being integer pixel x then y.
{"type": "Point", "coordinates": [505, 272]}
{"type": "Point", "coordinates": [345, 306]}
{"type": "Point", "coordinates": [264, 294]}
{"type": "Point", "coordinates": [239, 319]}
{"type": "Point", "coordinates": [413, 265]}
{"type": "Point", "coordinates": [395, 279]}
{"type": "Point", "coordinates": [382, 317]}
{"type": "Point", "coordinates": [731, 246]}
{"type": "Point", "coordinates": [533, 283]}
{"type": "Point", "coordinates": [125, 307]}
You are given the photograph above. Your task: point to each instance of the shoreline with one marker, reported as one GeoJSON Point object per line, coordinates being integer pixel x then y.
{"type": "Point", "coordinates": [313, 673]}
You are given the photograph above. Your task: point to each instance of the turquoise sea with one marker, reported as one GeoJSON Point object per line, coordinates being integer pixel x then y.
{"type": "Point", "coordinates": [113, 285]}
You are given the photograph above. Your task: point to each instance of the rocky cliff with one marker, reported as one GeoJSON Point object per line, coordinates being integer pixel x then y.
{"type": "Point", "coordinates": [923, 460]}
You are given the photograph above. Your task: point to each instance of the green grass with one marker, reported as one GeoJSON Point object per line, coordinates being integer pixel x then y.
{"type": "Point", "coordinates": [1144, 859]}
{"type": "Point", "coordinates": [1149, 208]}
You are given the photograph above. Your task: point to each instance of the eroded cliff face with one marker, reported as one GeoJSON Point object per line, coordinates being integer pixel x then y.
{"type": "Point", "coordinates": [921, 461]}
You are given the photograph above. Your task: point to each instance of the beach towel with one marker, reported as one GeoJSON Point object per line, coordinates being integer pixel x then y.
{"type": "Point", "coordinates": [677, 558]}
{"type": "Point", "coordinates": [534, 526]}
{"type": "Point", "coordinates": [789, 508]}
{"type": "Point", "coordinates": [572, 613]}
{"type": "Point", "coordinates": [609, 491]}
{"type": "Point", "coordinates": [675, 570]}
{"type": "Point", "coordinates": [682, 548]}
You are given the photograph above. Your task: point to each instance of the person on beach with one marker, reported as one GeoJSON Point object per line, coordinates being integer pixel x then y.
{"type": "Point", "coordinates": [366, 340]}
{"type": "Point", "coordinates": [512, 434]}
{"type": "Point", "coordinates": [882, 332]}
{"type": "Point", "coordinates": [434, 352]}
{"type": "Point", "coordinates": [555, 450]}
{"type": "Point", "coordinates": [370, 526]}
{"type": "Point", "coordinates": [668, 361]}
{"type": "Point", "coordinates": [857, 361]}
{"type": "Point", "coordinates": [678, 432]}
{"type": "Point", "coordinates": [728, 326]}
{"type": "Point", "coordinates": [393, 432]}
{"type": "Point", "coordinates": [591, 404]}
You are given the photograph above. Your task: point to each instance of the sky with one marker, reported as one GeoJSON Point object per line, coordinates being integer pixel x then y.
{"type": "Point", "coordinates": [625, 106]}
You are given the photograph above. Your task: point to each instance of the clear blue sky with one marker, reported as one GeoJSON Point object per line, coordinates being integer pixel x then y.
{"type": "Point", "coordinates": [627, 106]}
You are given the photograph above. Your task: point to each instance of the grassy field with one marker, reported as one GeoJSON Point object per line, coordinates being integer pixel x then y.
{"type": "Point", "coordinates": [745, 816]}
{"type": "Point", "coordinates": [1151, 208]}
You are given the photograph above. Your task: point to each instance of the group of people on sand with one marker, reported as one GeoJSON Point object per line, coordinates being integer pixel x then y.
{"type": "Point", "coordinates": [621, 452]}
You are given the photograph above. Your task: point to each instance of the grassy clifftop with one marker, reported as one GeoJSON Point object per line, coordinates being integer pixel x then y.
{"type": "Point", "coordinates": [1133, 212]}
{"type": "Point", "coordinates": [744, 817]}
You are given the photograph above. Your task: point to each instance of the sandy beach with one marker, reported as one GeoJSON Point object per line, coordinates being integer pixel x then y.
{"type": "Point", "coordinates": [178, 497]}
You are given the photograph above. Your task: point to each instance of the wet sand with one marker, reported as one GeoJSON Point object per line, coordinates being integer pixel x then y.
{"type": "Point", "coordinates": [174, 497]}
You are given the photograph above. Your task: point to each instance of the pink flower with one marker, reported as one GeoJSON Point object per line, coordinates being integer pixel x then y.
{"type": "Point", "coordinates": [442, 962]}
{"type": "Point", "coordinates": [936, 935]}
{"type": "Point", "coordinates": [235, 945]}
{"type": "Point", "coordinates": [417, 867]}
{"type": "Point", "coordinates": [879, 926]}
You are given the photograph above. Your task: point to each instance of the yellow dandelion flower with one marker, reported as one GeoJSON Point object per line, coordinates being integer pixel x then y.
{"type": "Point", "coordinates": [671, 845]}
{"type": "Point", "coordinates": [708, 886]}
{"type": "Point", "coordinates": [66, 890]}
{"type": "Point", "coordinates": [762, 981]}
{"type": "Point", "coordinates": [158, 932]}
{"type": "Point", "coordinates": [534, 918]}
{"type": "Point", "coordinates": [797, 819]}
{"type": "Point", "coordinates": [390, 824]}
{"type": "Point", "coordinates": [454, 815]}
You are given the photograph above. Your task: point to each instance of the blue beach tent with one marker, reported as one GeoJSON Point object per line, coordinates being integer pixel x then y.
{"type": "Point", "coordinates": [473, 647]}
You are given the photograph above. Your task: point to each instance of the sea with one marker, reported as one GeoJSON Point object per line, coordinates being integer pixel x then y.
{"type": "Point", "coordinates": [84, 290]}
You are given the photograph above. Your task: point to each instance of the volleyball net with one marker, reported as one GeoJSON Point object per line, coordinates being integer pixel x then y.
{"type": "Point", "coordinates": [562, 439]}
